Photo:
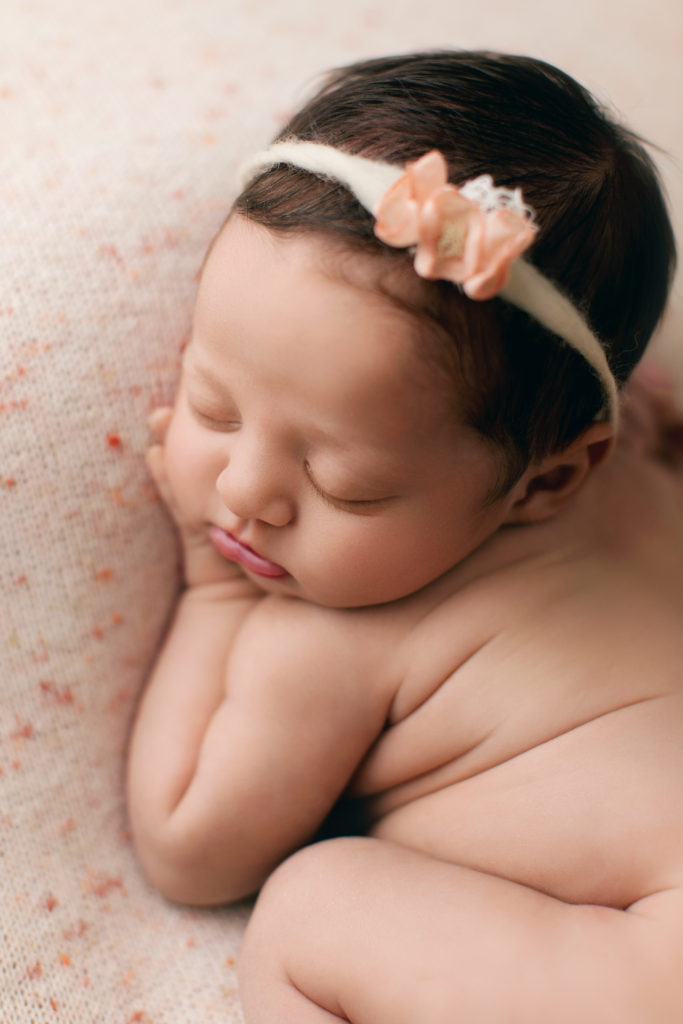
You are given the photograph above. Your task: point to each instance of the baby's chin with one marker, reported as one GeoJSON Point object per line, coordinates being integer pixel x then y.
{"type": "Point", "coordinates": [341, 598]}
{"type": "Point", "coordinates": [345, 598]}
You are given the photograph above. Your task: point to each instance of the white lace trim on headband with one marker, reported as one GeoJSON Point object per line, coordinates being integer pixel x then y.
{"type": "Point", "coordinates": [472, 235]}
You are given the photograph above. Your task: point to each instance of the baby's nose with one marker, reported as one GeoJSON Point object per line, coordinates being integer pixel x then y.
{"type": "Point", "coordinates": [252, 486]}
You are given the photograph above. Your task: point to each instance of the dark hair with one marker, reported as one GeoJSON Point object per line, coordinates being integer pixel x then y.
{"type": "Point", "coordinates": [604, 233]}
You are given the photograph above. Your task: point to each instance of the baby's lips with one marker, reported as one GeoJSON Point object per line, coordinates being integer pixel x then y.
{"type": "Point", "coordinates": [235, 551]}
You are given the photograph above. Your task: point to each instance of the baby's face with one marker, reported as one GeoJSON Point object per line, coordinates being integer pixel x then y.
{"type": "Point", "coordinates": [311, 439]}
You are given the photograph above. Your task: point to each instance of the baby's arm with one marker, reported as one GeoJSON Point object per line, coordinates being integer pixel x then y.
{"type": "Point", "coordinates": [251, 725]}
{"type": "Point", "coordinates": [253, 720]}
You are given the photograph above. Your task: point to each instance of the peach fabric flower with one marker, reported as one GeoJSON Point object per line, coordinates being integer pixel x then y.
{"type": "Point", "coordinates": [456, 238]}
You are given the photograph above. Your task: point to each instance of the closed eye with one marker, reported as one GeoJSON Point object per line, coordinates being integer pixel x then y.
{"type": "Point", "coordinates": [357, 506]}
{"type": "Point", "coordinates": [212, 421]}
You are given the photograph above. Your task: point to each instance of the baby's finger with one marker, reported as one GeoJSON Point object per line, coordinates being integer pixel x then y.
{"type": "Point", "coordinates": [159, 420]}
{"type": "Point", "coordinates": [155, 464]}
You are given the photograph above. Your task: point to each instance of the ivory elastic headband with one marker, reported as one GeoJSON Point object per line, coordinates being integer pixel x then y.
{"type": "Point", "coordinates": [380, 187]}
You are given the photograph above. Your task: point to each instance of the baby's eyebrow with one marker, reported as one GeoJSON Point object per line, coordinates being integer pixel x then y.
{"type": "Point", "coordinates": [207, 375]}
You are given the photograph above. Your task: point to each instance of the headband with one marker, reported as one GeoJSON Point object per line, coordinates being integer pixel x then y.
{"type": "Point", "coordinates": [472, 235]}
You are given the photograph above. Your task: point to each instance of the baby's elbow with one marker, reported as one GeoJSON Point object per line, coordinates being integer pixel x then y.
{"type": "Point", "coordinates": [183, 872]}
{"type": "Point", "coordinates": [194, 887]}
{"type": "Point", "coordinates": [178, 883]}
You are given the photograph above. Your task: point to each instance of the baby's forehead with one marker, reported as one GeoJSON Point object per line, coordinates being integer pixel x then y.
{"type": "Point", "coordinates": [368, 266]}
{"type": "Point", "coordinates": [381, 282]}
{"type": "Point", "coordinates": [344, 319]}
{"type": "Point", "coordinates": [373, 269]}
{"type": "Point", "coordinates": [387, 276]}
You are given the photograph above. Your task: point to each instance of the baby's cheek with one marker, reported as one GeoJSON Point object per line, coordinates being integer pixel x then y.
{"type": "Point", "coordinates": [366, 564]}
{"type": "Point", "coordinates": [395, 558]}
{"type": "Point", "coordinates": [187, 466]}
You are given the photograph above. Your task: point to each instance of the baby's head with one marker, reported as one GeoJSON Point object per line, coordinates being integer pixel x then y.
{"type": "Point", "coordinates": [350, 430]}
{"type": "Point", "coordinates": [604, 236]}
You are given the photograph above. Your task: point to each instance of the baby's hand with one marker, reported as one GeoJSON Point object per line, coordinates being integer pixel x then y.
{"type": "Point", "coordinates": [201, 562]}
{"type": "Point", "coordinates": [158, 423]}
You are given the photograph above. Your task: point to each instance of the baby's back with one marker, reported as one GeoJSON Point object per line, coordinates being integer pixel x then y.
{"type": "Point", "coordinates": [537, 730]}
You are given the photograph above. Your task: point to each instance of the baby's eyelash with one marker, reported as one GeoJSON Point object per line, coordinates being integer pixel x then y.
{"type": "Point", "coordinates": [212, 422]}
{"type": "Point", "coordinates": [361, 506]}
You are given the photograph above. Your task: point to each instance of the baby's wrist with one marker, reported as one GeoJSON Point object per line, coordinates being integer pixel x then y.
{"type": "Point", "coordinates": [235, 588]}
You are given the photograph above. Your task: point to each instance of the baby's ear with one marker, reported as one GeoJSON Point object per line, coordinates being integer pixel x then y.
{"type": "Point", "coordinates": [545, 489]}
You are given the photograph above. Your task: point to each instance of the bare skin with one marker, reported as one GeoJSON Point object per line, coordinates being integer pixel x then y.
{"type": "Point", "coordinates": [529, 868]}
{"type": "Point", "coordinates": [509, 715]}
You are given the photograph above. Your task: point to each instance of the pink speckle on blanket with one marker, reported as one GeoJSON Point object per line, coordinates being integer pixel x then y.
{"type": "Point", "coordinates": [102, 885]}
{"type": "Point", "coordinates": [23, 731]}
{"type": "Point", "coordinates": [76, 931]}
{"type": "Point", "coordinates": [16, 405]}
{"type": "Point", "coordinates": [111, 252]}
{"type": "Point", "coordinates": [58, 694]}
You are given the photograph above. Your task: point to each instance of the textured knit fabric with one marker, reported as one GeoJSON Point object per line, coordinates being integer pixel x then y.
{"type": "Point", "coordinates": [121, 127]}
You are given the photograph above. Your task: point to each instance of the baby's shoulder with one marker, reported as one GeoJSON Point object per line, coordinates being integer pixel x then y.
{"type": "Point", "coordinates": [296, 646]}
{"type": "Point", "coordinates": [376, 650]}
